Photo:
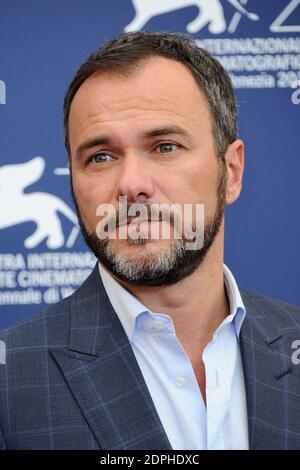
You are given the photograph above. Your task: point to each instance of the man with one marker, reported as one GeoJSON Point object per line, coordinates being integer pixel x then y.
{"type": "Point", "coordinates": [158, 349]}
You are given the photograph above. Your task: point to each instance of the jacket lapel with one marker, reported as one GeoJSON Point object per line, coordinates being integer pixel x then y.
{"type": "Point", "coordinates": [267, 366]}
{"type": "Point", "coordinates": [104, 376]}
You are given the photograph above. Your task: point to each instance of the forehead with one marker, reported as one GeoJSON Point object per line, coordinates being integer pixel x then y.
{"type": "Point", "coordinates": [158, 88]}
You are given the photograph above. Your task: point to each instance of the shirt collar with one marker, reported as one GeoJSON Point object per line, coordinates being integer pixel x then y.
{"type": "Point", "coordinates": [237, 307]}
{"type": "Point", "coordinates": [129, 308]}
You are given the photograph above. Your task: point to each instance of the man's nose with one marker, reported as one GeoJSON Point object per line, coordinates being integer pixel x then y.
{"type": "Point", "coordinates": [135, 178]}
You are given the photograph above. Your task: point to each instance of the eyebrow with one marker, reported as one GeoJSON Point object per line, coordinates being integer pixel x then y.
{"type": "Point", "coordinates": [166, 131]}
{"type": "Point", "coordinates": [107, 140]}
{"type": "Point", "coordinates": [91, 143]}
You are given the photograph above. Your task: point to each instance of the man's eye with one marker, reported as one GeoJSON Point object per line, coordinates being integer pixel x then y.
{"type": "Point", "coordinates": [101, 158]}
{"type": "Point", "coordinates": [167, 148]}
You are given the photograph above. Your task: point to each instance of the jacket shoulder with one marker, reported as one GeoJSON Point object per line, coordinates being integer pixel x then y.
{"type": "Point", "coordinates": [284, 313]}
{"type": "Point", "coordinates": [50, 325]}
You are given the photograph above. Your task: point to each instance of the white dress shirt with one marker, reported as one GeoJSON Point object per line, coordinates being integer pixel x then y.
{"type": "Point", "coordinates": [170, 378]}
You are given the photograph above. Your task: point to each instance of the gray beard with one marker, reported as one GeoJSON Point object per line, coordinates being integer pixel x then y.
{"type": "Point", "coordinates": [147, 270]}
{"type": "Point", "coordinates": [153, 267]}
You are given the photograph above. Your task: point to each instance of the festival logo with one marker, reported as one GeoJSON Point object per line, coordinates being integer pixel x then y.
{"type": "Point", "coordinates": [211, 14]}
{"type": "Point", "coordinates": [39, 207]}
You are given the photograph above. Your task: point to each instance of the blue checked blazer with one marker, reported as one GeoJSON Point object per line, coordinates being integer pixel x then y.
{"type": "Point", "coordinates": [71, 380]}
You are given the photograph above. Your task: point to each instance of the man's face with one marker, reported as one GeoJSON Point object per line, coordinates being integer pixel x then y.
{"type": "Point", "coordinates": [147, 136]}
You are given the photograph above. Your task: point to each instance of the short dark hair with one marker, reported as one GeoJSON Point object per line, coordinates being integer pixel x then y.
{"type": "Point", "coordinates": [214, 82]}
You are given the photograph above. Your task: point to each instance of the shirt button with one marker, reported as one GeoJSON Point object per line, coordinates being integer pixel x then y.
{"type": "Point", "coordinates": [181, 381]}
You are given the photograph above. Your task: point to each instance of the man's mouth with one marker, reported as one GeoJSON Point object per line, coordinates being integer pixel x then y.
{"type": "Point", "coordinates": [139, 220]}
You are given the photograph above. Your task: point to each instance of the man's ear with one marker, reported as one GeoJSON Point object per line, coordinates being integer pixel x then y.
{"type": "Point", "coordinates": [234, 159]}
